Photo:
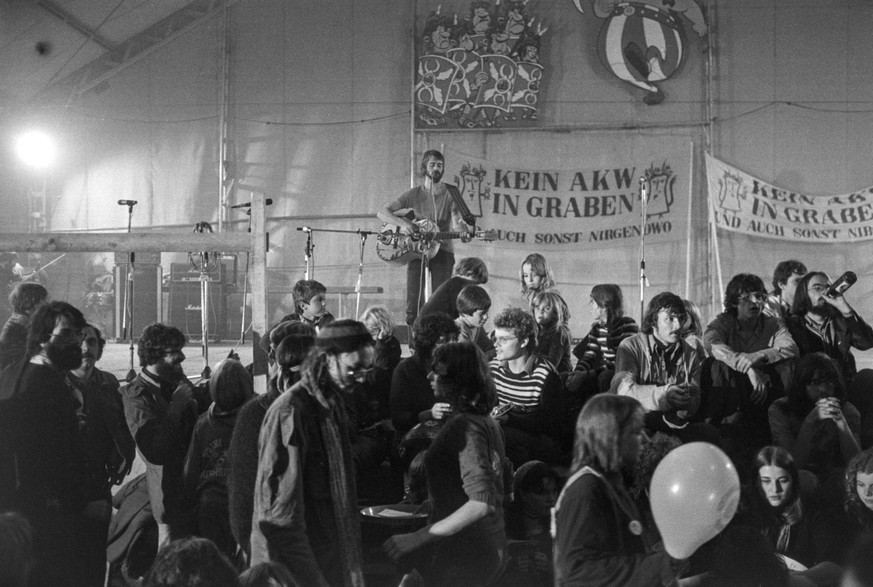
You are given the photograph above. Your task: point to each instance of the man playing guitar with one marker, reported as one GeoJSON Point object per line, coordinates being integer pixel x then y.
{"type": "Point", "coordinates": [433, 201]}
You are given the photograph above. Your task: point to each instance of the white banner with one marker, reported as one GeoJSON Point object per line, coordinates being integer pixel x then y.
{"type": "Point", "coordinates": [560, 210]}
{"type": "Point", "coordinates": [746, 204]}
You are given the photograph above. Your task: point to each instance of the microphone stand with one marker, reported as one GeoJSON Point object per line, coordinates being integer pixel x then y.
{"type": "Point", "coordinates": [127, 319]}
{"type": "Point", "coordinates": [644, 281]}
{"type": "Point", "coordinates": [308, 250]}
{"type": "Point", "coordinates": [363, 234]}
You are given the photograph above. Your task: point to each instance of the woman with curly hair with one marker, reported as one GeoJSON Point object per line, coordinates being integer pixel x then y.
{"type": "Point", "coordinates": [859, 491]}
{"type": "Point", "coordinates": [467, 476]}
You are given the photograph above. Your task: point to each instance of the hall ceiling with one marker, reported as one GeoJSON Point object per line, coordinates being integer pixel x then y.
{"type": "Point", "coordinates": [62, 48]}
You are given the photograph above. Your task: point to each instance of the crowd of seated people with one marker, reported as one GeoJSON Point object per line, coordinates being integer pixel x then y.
{"type": "Point", "coordinates": [490, 432]}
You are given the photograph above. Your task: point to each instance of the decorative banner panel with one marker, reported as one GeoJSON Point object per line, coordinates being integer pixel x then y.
{"type": "Point", "coordinates": [537, 208]}
{"type": "Point", "coordinates": [480, 69]}
{"type": "Point", "coordinates": [746, 204]}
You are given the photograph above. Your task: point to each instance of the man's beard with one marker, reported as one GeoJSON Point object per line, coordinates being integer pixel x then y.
{"type": "Point", "coordinates": [825, 310]}
{"type": "Point", "coordinates": [435, 176]}
{"type": "Point", "coordinates": [64, 357]}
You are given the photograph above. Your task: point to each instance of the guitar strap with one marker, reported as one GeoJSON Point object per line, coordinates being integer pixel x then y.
{"type": "Point", "coordinates": [461, 205]}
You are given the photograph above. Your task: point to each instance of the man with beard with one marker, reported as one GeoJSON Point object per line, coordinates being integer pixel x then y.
{"type": "Point", "coordinates": [751, 366]}
{"type": "Point", "coordinates": [305, 509]}
{"type": "Point", "coordinates": [821, 323]}
{"type": "Point", "coordinates": [107, 445]}
{"type": "Point", "coordinates": [433, 201]}
{"type": "Point", "coordinates": [51, 479]}
{"type": "Point", "coordinates": [161, 410]}
{"type": "Point", "coordinates": [661, 369]}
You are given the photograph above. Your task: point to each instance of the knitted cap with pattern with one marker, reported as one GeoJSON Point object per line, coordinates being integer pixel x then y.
{"type": "Point", "coordinates": [343, 336]}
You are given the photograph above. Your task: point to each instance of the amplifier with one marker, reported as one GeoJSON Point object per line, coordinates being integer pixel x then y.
{"type": "Point", "coordinates": [185, 310]}
{"type": "Point", "coordinates": [141, 257]}
{"type": "Point", "coordinates": [184, 273]}
{"type": "Point", "coordinates": [145, 307]}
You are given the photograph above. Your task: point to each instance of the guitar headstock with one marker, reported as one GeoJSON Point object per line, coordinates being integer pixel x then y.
{"type": "Point", "coordinates": [486, 235]}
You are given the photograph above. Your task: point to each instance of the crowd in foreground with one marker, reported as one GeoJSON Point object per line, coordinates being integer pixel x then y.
{"type": "Point", "coordinates": [531, 456]}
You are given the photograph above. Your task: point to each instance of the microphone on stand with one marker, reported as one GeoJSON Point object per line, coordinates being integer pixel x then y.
{"type": "Point", "coordinates": [644, 189]}
{"type": "Point", "coordinates": [267, 202]}
{"type": "Point", "coordinates": [127, 202]}
{"type": "Point", "coordinates": [304, 229]}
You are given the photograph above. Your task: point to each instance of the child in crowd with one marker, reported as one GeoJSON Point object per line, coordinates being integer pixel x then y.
{"type": "Point", "coordinates": [536, 276]}
{"type": "Point", "coordinates": [473, 304]}
{"type": "Point", "coordinates": [596, 352]}
{"type": "Point", "coordinates": [206, 464]}
{"type": "Point", "coordinates": [309, 304]}
{"type": "Point", "coordinates": [553, 339]}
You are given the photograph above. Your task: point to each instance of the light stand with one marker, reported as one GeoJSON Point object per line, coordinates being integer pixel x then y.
{"type": "Point", "coordinates": [207, 263]}
{"type": "Point", "coordinates": [644, 281]}
{"type": "Point", "coordinates": [127, 318]}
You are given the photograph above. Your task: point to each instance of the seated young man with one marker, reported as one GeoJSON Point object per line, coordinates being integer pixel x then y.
{"type": "Point", "coordinates": [752, 353]}
{"type": "Point", "coordinates": [473, 304]}
{"type": "Point", "coordinates": [661, 369]}
{"type": "Point", "coordinates": [537, 425]}
{"type": "Point", "coordinates": [309, 304]}
{"type": "Point", "coordinates": [786, 276]}
{"type": "Point", "coordinates": [468, 271]}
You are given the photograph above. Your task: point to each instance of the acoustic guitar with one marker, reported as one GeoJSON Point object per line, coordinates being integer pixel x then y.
{"type": "Point", "coordinates": [396, 247]}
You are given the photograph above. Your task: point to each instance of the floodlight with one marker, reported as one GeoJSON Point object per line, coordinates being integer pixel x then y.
{"type": "Point", "coordinates": [36, 149]}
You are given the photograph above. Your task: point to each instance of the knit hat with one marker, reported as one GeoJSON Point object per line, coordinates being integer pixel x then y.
{"type": "Point", "coordinates": [529, 476]}
{"type": "Point", "coordinates": [343, 336]}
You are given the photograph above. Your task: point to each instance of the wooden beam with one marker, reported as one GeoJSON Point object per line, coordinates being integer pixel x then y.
{"type": "Point", "coordinates": [123, 242]}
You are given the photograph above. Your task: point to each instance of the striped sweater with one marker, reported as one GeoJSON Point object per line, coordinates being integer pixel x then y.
{"type": "Point", "coordinates": [536, 393]}
{"type": "Point", "coordinates": [597, 350]}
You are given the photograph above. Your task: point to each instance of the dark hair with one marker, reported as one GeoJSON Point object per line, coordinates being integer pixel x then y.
{"type": "Point", "coordinates": [44, 320]}
{"type": "Point", "coordinates": [521, 323]}
{"type": "Point", "coordinates": [855, 508]}
{"type": "Point", "coordinates": [693, 324]}
{"type": "Point", "coordinates": [776, 456]}
{"type": "Point", "coordinates": [101, 342]}
{"type": "Point", "coordinates": [802, 303]}
{"type": "Point", "coordinates": [231, 385]}
{"type": "Point", "coordinates": [191, 562]}
{"type": "Point", "coordinates": [155, 340]}
{"type": "Point", "coordinates": [529, 477]}
{"type": "Point", "coordinates": [290, 354]}
{"type": "Point", "coordinates": [283, 329]}
{"type": "Point", "coordinates": [462, 367]}
{"type": "Point", "coordinates": [472, 268]}
{"type": "Point", "coordinates": [267, 574]}
{"type": "Point", "coordinates": [609, 296]}
{"type": "Point", "coordinates": [663, 301]}
{"type": "Point", "coordinates": [430, 328]}
{"type": "Point", "coordinates": [16, 549]}
{"type": "Point", "coordinates": [426, 156]}
{"type": "Point", "coordinates": [472, 298]}
{"type": "Point", "coordinates": [600, 429]}
{"type": "Point", "coordinates": [26, 296]}
{"type": "Point", "coordinates": [737, 286]}
{"type": "Point", "coordinates": [804, 370]}
{"type": "Point", "coordinates": [652, 453]}
{"type": "Point", "coordinates": [304, 290]}
{"type": "Point", "coordinates": [784, 270]}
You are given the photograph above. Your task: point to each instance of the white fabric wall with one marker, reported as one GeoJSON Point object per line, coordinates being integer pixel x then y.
{"type": "Point", "coordinates": [320, 102]}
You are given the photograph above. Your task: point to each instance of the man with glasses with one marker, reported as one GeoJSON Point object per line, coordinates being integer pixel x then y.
{"type": "Point", "coordinates": [535, 418]}
{"type": "Point", "coordinates": [305, 512]}
{"type": "Point", "coordinates": [828, 324]}
{"type": "Point", "coordinates": [751, 353]}
{"type": "Point", "coordinates": [51, 474]}
{"type": "Point", "coordinates": [161, 409]}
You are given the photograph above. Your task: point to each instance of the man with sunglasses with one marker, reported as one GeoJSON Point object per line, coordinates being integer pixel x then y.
{"type": "Point", "coordinates": [821, 322]}
{"type": "Point", "coordinates": [751, 353]}
{"type": "Point", "coordinates": [305, 509]}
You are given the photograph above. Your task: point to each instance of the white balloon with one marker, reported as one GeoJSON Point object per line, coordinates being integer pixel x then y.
{"type": "Point", "coordinates": [694, 494]}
